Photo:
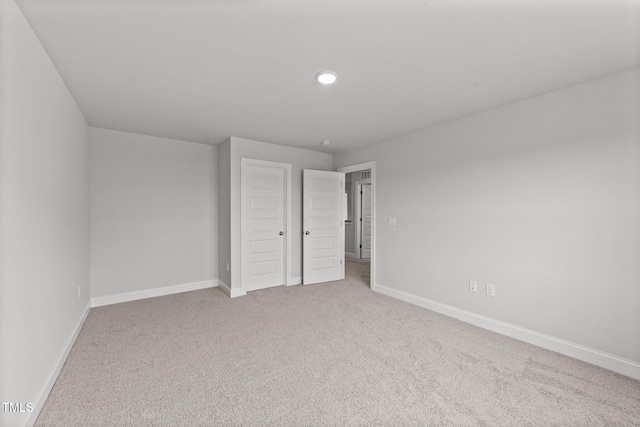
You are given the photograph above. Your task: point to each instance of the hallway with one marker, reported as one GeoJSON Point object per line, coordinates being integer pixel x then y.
{"type": "Point", "coordinates": [358, 270]}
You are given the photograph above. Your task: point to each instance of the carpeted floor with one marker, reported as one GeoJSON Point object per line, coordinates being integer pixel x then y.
{"type": "Point", "coordinates": [358, 270]}
{"type": "Point", "coordinates": [327, 354]}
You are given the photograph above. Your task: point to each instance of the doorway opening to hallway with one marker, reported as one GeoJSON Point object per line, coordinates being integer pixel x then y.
{"type": "Point", "coordinates": [360, 222]}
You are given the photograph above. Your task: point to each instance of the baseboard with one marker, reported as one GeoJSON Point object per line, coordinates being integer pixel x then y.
{"type": "Point", "coordinates": [350, 255]}
{"type": "Point", "coordinates": [232, 293]}
{"type": "Point", "coordinates": [599, 358]}
{"type": "Point", "coordinates": [150, 293]}
{"type": "Point", "coordinates": [31, 418]}
{"type": "Point", "coordinates": [295, 281]}
{"type": "Point", "coordinates": [225, 288]}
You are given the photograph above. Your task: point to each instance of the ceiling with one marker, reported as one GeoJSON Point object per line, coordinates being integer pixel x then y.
{"type": "Point", "coordinates": [204, 70]}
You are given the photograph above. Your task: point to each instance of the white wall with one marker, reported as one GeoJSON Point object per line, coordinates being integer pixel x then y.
{"type": "Point", "coordinates": [540, 198]}
{"type": "Point", "coordinates": [299, 159]}
{"type": "Point", "coordinates": [153, 213]}
{"type": "Point", "coordinates": [44, 218]}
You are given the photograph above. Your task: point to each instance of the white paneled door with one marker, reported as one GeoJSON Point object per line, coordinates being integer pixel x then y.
{"type": "Point", "coordinates": [263, 260]}
{"type": "Point", "coordinates": [365, 251]}
{"type": "Point", "coordinates": [323, 226]}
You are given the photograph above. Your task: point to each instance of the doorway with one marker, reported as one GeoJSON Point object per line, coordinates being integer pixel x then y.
{"type": "Point", "coordinates": [364, 175]}
{"type": "Point", "coordinates": [362, 199]}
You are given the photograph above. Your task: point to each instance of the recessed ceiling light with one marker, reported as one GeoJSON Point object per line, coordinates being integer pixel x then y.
{"type": "Point", "coordinates": [326, 77]}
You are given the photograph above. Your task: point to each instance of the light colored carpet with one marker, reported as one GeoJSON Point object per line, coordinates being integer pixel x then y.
{"type": "Point", "coordinates": [327, 354]}
{"type": "Point", "coordinates": [358, 270]}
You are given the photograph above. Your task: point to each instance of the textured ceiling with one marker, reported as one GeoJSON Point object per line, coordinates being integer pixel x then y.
{"type": "Point", "coordinates": [202, 71]}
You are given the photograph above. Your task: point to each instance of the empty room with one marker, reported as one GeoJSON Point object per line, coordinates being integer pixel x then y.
{"type": "Point", "coordinates": [329, 213]}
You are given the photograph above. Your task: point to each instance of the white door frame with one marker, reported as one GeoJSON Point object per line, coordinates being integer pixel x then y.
{"type": "Point", "coordinates": [244, 162]}
{"type": "Point", "coordinates": [361, 167]}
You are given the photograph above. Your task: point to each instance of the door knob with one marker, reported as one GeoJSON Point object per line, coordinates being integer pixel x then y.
{"type": "Point", "coordinates": [281, 233]}
{"type": "Point", "coordinates": [307, 233]}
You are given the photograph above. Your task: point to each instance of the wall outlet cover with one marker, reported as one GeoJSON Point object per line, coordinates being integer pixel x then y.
{"type": "Point", "coordinates": [491, 290]}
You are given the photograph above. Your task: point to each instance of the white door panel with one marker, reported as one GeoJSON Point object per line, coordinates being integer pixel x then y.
{"type": "Point", "coordinates": [264, 221]}
{"type": "Point", "coordinates": [323, 223]}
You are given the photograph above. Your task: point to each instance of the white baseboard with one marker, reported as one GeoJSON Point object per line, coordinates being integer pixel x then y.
{"type": "Point", "coordinates": [150, 293]}
{"type": "Point", "coordinates": [295, 281]}
{"type": "Point", "coordinates": [350, 255]}
{"type": "Point", "coordinates": [44, 393]}
{"type": "Point", "coordinates": [225, 288]}
{"type": "Point", "coordinates": [614, 363]}
{"type": "Point", "coordinates": [232, 293]}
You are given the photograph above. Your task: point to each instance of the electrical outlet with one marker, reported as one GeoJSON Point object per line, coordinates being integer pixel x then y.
{"type": "Point", "coordinates": [78, 291]}
{"type": "Point", "coordinates": [391, 221]}
{"type": "Point", "coordinates": [473, 286]}
{"type": "Point", "coordinates": [491, 290]}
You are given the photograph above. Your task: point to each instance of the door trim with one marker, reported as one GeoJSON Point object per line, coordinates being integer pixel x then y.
{"type": "Point", "coordinates": [244, 162]}
{"type": "Point", "coordinates": [361, 167]}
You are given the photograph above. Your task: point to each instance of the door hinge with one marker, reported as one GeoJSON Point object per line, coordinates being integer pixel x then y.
{"type": "Point", "coordinates": [360, 246]}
